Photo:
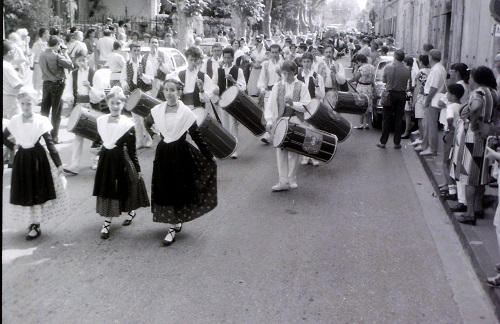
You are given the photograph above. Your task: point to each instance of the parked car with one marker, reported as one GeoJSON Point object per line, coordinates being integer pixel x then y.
{"type": "Point", "coordinates": [178, 59]}
{"type": "Point", "coordinates": [379, 88]}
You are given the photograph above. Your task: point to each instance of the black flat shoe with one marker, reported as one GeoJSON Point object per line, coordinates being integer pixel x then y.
{"type": "Point", "coordinates": [479, 214]}
{"type": "Point", "coordinates": [127, 222]}
{"type": "Point", "coordinates": [105, 235]}
{"type": "Point", "coordinates": [38, 232]}
{"type": "Point", "coordinates": [466, 220]}
{"type": "Point", "coordinates": [405, 136]}
{"type": "Point", "coordinates": [170, 238]}
{"type": "Point", "coordinates": [450, 197]}
{"type": "Point", "coordinates": [459, 208]}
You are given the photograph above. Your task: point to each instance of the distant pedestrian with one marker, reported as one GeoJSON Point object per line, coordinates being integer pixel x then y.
{"type": "Point", "coordinates": [54, 62]}
{"type": "Point", "coordinates": [38, 47]}
{"type": "Point", "coordinates": [396, 76]}
{"type": "Point", "coordinates": [105, 46]}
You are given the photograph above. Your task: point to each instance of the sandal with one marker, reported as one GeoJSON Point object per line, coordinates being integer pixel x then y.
{"type": "Point", "coordinates": [127, 222]}
{"type": "Point", "coordinates": [105, 229]}
{"type": "Point", "coordinates": [38, 232]}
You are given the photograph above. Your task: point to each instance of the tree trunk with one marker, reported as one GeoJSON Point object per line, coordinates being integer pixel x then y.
{"type": "Point", "coordinates": [238, 21]}
{"type": "Point", "coordinates": [266, 19]}
{"type": "Point", "coordinates": [184, 27]}
{"type": "Point", "coordinates": [296, 20]}
{"type": "Point", "coordinates": [302, 20]}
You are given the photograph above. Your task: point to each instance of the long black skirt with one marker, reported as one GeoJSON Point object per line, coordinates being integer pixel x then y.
{"type": "Point", "coordinates": [184, 183]}
{"type": "Point", "coordinates": [32, 182]}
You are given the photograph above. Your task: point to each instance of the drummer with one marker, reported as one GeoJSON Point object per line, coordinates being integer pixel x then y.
{"type": "Point", "coordinates": [316, 87]}
{"type": "Point", "coordinates": [197, 85]}
{"type": "Point", "coordinates": [213, 63]}
{"type": "Point", "coordinates": [80, 90]}
{"type": "Point", "coordinates": [227, 76]}
{"type": "Point", "coordinates": [269, 76]}
{"type": "Point", "coordinates": [287, 99]}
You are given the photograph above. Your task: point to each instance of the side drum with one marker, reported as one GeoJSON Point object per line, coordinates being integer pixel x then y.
{"type": "Point", "coordinates": [221, 143]}
{"type": "Point", "coordinates": [348, 102]}
{"type": "Point", "coordinates": [305, 141]}
{"type": "Point", "coordinates": [83, 122]}
{"type": "Point", "coordinates": [140, 103]}
{"type": "Point", "coordinates": [239, 105]}
{"type": "Point", "coordinates": [326, 119]}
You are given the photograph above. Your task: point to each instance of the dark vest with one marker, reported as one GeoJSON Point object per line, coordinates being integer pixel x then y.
{"type": "Point", "coordinates": [75, 80]}
{"type": "Point", "coordinates": [310, 86]}
{"type": "Point", "coordinates": [210, 70]}
{"type": "Point", "coordinates": [222, 78]}
{"type": "Point", "coordinates": [194, 97]}
{"type": "Point", "coordinates": [130, 75]}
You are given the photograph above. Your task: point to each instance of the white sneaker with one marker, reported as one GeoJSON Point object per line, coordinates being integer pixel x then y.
{"type": "Point", "coordinates": [417, 132]}
{"type": "Point", "coordinates": [280, 187]}
{"type": "Point", "coordinates": [234, 155]}
{"type": "Point", "coordinates": [419, 148]}
{"type": "Point", "coordinates": [266, 138]}
{"type": "Point", "coordinates": [293, 185]}
{"type": "Point", "coordinates": [305, 161]}
{"type": "Point", "coordinates": [427, 152]}
{"type": "Point", "coordinates": [94, 164]}
{"type": "Point", "coordinates": [315, 163]}
{"type": "Point", "coordinates": [416, 142]}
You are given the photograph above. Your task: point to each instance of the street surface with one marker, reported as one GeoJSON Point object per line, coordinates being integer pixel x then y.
{"type": "Point", "coordinates": [361, 240]}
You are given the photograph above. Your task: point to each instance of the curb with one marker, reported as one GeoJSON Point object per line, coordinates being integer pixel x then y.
{"type": "Point", "coordinates": [480, 259]}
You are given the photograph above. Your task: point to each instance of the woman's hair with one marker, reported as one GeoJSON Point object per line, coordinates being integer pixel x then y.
{"type": "Point", "coordinates": [463, 71]}
{"type": "Point", "coordinates": [178, 84]}
{"type": "Point", "coordinates": [135, 33]}
{"type": "Point", "coordinates": [361, 58]}
{"type": "Point", "coordinates": [483, 75]}
{"type": "Point", "coordinates": [408, 61]}
{"type": "Point", "coordinates": [236, 41]}
{"type": "Point", "coordinates": [424, 58]}
{"type": "Point", "coordinates": [89, 31]}
{"type": "Point", "coordinates": [116, 92]}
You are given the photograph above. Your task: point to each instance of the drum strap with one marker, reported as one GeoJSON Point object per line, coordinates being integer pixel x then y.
{"type": "Point", "coordinates": [215, 112]}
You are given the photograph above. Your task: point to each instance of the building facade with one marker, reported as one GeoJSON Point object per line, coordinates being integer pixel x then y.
{"type": "Point", "coordinates": [461, 29]}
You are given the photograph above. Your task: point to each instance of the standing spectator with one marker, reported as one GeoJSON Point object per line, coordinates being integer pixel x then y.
{"type": "Point", "coordinates": [20, 60]}
{"type": "Point", "coordinates": [427, 47]}
{"type": "Point", "coordinates": [365, 49]}
{"type": "Point", "coordinates": [12, 83]}
{"type": "Point", "coordinates": [91, 47]}
{"type": "Point", "coordinates": [469, 165]}
{"type": "Point", "coordinates": [38, 186]}
{"type": "Point", "coordinates": [38, 47]}
{"type": "Point", "coordinates": [213, 63]}
{"type": "Point", "coordinates": [53, 62]}
{"type": "Point", "coordinates": [495, 281]}
{"type": "Point", "coordinates": [436, 83]}
{"type": "Point", "coordinates": [390, 44]}
{"type": "Point", "coordinates": [375, 54]}
{"type": "Point", "coordinates": [231, 35]}
{"type": "Point", "coordinates": [396, 76]}
{"type": "Point", "coordinates": [496, 63]}
{"type": "Point", "coordinates": [169, 41]}
{"type": "Point", "coordinates": [116, 62]}
{"type": "Point", "coordinates": [419, 98]}
{"type": "Point", "coordinates": [105, 46]}
{"type": "Point", "coordinates": [365, 77]}
{"type": "Point", "coordinates": [409, 106]}
{"type": "Point", "coordinates": [161, 64]}
{"type": "Point", "coordinates": [258, 56]}
{"type": "Point", "coordinates": [121, 27]}
{"type": "Point", "coordinates": [77, 45]}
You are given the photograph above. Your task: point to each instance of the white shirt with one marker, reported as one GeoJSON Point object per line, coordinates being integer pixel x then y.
{"type": "Point", "coordinates": [268, 76]}
{"type": "Point", "coordinates": [105, 47]}
{"type": "Point", "coordinates": [436, 79]}
{"type": "Point", "coordinates": [452, 111]}
{"type": "Point", "coordinates": [190, 83]}
{"type": "Point", "coordinates": [241, 83]}
{"type": "Point", "coordinates": [116, 62]}
{"type": "Point", "coordinates": [320, 89]}
{"type": "Point", "coordinates": [271, 110]}
{"type": "Point", "coordinates": [135, 65]}
{"type": "Point", "coordinates": [11, 79]}
{"type": "Point", "coordinates": [166, 67]}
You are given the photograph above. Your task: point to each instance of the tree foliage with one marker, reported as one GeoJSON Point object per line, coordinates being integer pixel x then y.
{"type": "Point", "coordinates": [29, 14]}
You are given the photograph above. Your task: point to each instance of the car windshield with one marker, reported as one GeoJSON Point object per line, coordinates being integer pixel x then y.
{"type": "Point", "coordinates": [179, 60]}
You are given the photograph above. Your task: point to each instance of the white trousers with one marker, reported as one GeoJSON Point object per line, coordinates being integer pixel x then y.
{"type": "Point", "coordinates": [229, 122]}
{"type": "Point", "coordinates": [76, 152]}
{"type": "Point", "coordinates": [288, 163]}
{"type": "Point", "coordinates": [461, 192]}
{"type": "Point", "coordinates": [141, 135]}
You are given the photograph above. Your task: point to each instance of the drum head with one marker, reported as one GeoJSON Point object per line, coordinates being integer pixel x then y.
{"type": "Point", "coordinates": [228, 96]}
{"type": "Point", "coordinates": [311, 108]}
{"type": "Point", "coordinates": [74, 117]}
{"type": "Point", "coordinates": [133, 99]}
{"type": "Point", "coordinates": [201, 115]}
{"type": "Point", "coordinates": [280, 132]}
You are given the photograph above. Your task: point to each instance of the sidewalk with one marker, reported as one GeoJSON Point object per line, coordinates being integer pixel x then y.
{"type": "Point", "coordinates": [480, 241]}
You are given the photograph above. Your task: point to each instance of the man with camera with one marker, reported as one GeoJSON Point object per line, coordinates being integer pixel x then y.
{"type": "Point", "coordinates": [53, 61]}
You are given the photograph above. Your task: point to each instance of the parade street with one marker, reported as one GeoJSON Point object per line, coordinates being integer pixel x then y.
{"type": "Point", "coordinates": [362, 239]}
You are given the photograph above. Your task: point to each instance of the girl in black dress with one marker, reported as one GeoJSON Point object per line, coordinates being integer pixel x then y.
{"type": "Point", "coordinates": [38, 187]}
{"type": "Point", "coordinates": [119, 186]}
{"type": "Point", "coordinates": [184, 183]}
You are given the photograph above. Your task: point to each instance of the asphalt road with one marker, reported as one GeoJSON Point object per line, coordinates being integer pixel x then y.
{"type": "Point", "coordinates": [361, 240]}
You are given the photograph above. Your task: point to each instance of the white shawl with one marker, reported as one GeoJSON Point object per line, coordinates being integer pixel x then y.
{"type": "Point", "coordinates": [27, 134]}
{"type": "Point", "coordinates": [172, 125]}
{"type": "Point", "coordinates": [111, 132]}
